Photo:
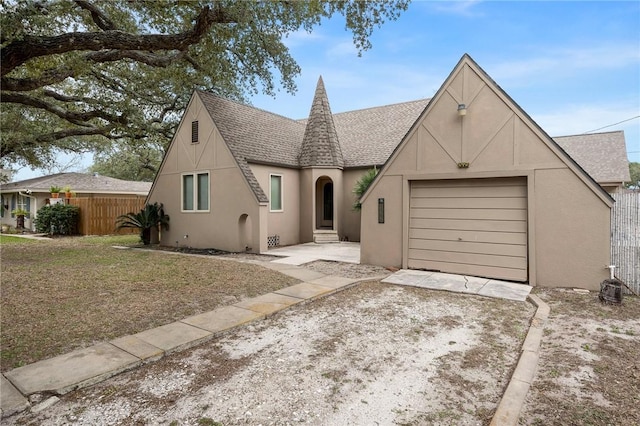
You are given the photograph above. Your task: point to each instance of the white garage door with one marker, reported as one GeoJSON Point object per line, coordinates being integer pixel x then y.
{"type": "Point", "coordinates": [473, 227]}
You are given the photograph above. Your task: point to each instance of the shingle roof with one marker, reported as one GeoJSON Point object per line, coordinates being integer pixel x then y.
{"type": "Point", "coordinates": [255, 135]}
{"type": "Point", "coordinates": [369, 136]}
{"type": "Point", "coordinates": [80, 182]}
{"type": "Point", "coordinates": [366, 137]}
{"type": "Point", "coordinates": [320, 145]}
{"type": "Point", "coordinates": [602, 155]}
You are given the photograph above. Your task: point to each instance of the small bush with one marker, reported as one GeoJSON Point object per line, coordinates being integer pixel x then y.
{"type": "Point", "coordinates": [362, 185]}
{"type": "Point", "coordinates": [61, 219]}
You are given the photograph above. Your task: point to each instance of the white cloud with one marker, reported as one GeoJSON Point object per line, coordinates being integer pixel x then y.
{"type": "Point", "coordinates": [301, 37]}
{"type": "Point", "coordinates": [572, 119]}
{"type": "Point", "coordinates": [567, 62]}
{"type": "Point", "coordinates": [456, 7]}
{"type": "Point", "coordinates": [343, 48]}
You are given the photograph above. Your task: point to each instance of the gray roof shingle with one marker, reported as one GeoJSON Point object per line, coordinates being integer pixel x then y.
{"type": "Point", "coordinates": [80, 182]}
{"type": "Point", "coordinates": [320, 145]}
{"type": "Point", "coordinates": [602, 155]}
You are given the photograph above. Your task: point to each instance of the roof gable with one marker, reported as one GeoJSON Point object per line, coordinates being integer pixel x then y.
{"type": "Point", "coordinates": [496, 134]}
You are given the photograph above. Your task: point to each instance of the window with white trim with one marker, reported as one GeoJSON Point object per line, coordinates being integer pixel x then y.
{"type": "Point", "coordinates": [275, 197]}
{"type": "Point", "coordinates": [195, 192]}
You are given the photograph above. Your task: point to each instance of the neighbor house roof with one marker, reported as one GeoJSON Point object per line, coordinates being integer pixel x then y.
{"type": "Point", "coordinates": [80, 182]}
{"type": "Point", "coordinates": [602, 155]}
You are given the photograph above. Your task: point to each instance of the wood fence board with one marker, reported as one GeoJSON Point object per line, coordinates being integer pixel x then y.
{"type": "Point", "coordinates": [98, 215]}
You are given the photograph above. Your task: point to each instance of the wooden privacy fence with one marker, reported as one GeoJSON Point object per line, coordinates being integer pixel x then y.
{"type": "Point", "coordinates": [625, 238]}
{"type": "Point", "coordinates": [98, 215]}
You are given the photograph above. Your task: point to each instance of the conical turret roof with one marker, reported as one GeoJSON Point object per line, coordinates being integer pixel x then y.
{"type": "Point", "coordinates": [320, 145]}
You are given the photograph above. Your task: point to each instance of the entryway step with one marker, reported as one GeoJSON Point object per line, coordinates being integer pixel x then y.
{"type": "Point", "coordinates": [321, 237]}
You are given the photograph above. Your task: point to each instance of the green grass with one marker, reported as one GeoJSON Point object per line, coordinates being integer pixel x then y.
{"type": "Point", "coordinates": [66, 293]}
{"type": "Point", "coordinates": [10, 239]}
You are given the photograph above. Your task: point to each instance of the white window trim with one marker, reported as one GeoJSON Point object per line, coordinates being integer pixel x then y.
{"type": "Point", "coordinates": [281, 192]}
{"type": "Point", "coordinates": [195, 191]}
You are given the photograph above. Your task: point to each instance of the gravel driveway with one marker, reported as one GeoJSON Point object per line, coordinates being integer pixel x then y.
{"type": "Point", "coordinates": [373, 354]}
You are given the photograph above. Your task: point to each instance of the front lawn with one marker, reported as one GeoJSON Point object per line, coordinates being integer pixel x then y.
{"type": "Point", "coordinates": [68, 293]}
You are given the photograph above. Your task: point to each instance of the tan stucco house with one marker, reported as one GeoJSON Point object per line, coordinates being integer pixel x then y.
{"type": "Point", "coordinates": [240, 178]}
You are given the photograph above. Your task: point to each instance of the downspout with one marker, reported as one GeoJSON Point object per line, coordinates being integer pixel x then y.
{"type": "Point", "coordinates": [35, 209]}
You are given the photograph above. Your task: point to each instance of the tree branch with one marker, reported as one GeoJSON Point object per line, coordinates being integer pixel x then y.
{"type": "Point", "coordinates": [51, 76]}
{"type": "Point", "coordinates": [77, 118]}
{"type": "Point", "coordinates": [77, 131]}
{"type": "Point", "coordinates": [147, 58]}
{"type": "Point", "coordinates": [99, 18]}
{"type": "Point", "coordinates": [18, 52]}
{"type": "Point", "coordinates": [64, 98]}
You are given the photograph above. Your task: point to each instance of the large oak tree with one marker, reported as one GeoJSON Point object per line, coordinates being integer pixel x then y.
{"type": "Point", "coordinates": [110, 76]}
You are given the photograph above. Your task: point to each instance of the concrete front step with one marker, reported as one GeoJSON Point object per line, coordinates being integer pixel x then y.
{"type": "Point", "coordinates": [321, 237]}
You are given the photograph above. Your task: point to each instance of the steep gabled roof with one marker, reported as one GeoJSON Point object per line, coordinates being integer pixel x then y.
{"type": "Point", "coordinates": [320, 145]}
{"type": "Point", "coordinates": [255, 135]}
{"type": "Point", "coordinates": [602, 155]}
{"type": "Point", "coordinates": [80, 182]}
{"type": "Point", "coordinates": [366, 137]}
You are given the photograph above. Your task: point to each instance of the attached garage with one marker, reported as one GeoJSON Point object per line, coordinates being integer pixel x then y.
{"type": "Point", "coordinates": [469, 226]}
{"type": "Point", "coordinates": [477, 188]}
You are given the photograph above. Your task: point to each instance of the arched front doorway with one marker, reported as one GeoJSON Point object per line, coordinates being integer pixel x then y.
{"type": "Point", "coordinates": [324, 203]}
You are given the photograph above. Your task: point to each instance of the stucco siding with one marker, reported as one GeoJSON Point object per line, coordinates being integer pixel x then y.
{"type": "Point", "coordinates": [233, 220]}
{"type": "Point", "coordinates": [572, 238]}
{"type": "Point", "coordinates": [350, 221]}
{"type": "Point", "coordinates": [285, 223]}
{"type": "Point", "coordinates": [381, 243]}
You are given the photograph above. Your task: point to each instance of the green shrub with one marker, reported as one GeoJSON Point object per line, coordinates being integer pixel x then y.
{"type": "Point", "coordinates": [151, 216]}
{"type": "Point", "coordinates": [59, 219]}
{"type": "Point", "coordinates": [361, 186]}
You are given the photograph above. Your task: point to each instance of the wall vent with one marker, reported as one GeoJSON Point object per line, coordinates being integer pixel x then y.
{"type": "Point", "coordinates": [273, 241]}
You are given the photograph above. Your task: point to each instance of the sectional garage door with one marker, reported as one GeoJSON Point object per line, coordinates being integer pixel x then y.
{"type": "Point", "coordinates": [473, 227]}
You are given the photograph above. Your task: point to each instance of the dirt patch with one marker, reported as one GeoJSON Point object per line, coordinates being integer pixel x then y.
{"type": "Point", "coordinates": [589, 370]}
{"type": "Point", "coordinates": [398, 355]}
{"type": "Point", "coordinates": [347, 270]}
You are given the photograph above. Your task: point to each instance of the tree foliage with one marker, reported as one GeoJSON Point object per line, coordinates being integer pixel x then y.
{"type": "Point", "coordinates": [362, 185]}
{"type": "Point", "coordinates": [127, 162]}
{"type": "Point", "coordinates": [634, 171]}
{"type": "Point", "coordinates": [79, 76]}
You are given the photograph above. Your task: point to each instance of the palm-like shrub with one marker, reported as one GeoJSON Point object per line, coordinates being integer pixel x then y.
{"type": "Point", "coordinates": [361, 186]}
{"type": "Point", "coordinates": [152, 215]}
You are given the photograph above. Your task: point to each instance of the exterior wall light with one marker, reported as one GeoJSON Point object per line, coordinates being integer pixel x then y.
{"type": "Point", "coordinates": [462, 110]}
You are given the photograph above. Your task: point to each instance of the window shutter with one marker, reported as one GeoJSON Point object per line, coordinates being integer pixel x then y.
{"type": "Point", "coordinates": [13, 203]}
{"type": "Point", "coordinates": [28, 204]}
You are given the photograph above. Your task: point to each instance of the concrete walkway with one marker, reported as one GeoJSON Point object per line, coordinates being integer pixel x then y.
{"type": "Point", "coordinates": [84, 367]}
{"type": "Point", "coordinates": [460, 284]}
{"type": "Point", "coordinates": [304, 253]}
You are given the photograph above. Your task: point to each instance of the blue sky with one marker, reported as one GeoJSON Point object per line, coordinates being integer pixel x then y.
{"type": "Point", "coordinates": [572, 66]}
